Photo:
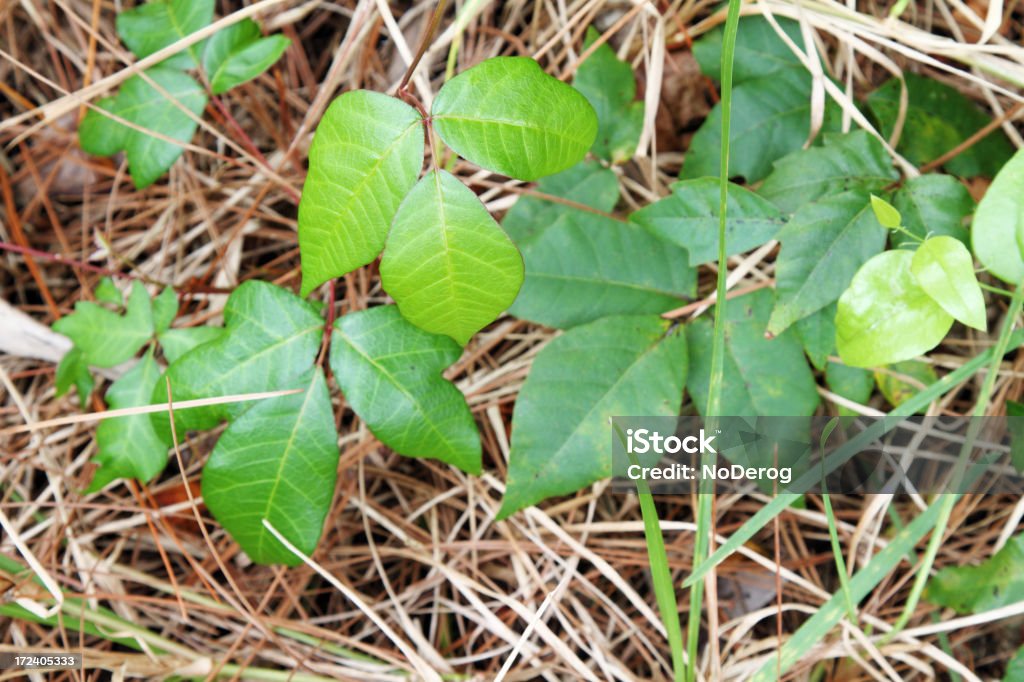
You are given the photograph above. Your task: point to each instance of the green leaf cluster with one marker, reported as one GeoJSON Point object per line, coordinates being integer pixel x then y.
{"type": "Point", "coordinates": [156, 112]}
{"type": "Point", "coordinates": [996, 582]}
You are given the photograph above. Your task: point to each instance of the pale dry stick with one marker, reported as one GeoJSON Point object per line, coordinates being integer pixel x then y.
{"type": "Point", "coordinates": [851, 652]}
{"type": "Point", "coordinates": [876, 655]}
{"type": "Point", "coordinates": [422, 85]}
{"type": "Point", "coordinates": [593, 47]}
{"type": "Point", "coordinates": [1002, 613]}
{"type": "Point", "coordinates": [44, 576]}
{"type": "Point", "coordinates": [145, 409]}
{"type": "Point", "coordinates": [565, 28]}
{"type": "Point", "coordinates": [1011, 525]}
{"type": "Point", "coordinates": [652, 94]}
{"type": "Point", "coordinates": [525, 637]}
{"type": "Point", "coordinates": [418, 664]}
{"type": "Point", "coordinates": [747, 265]}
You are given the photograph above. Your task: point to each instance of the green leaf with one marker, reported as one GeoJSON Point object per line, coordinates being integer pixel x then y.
{"type": "Point", "coordinates": [853, 383]}
{"type": "Point", "coordinates": [270, 337]}
{"type": "Point", "coordinates": [886, 214]}
{"type": "Point", "coordinates": [142, 104]}
{"type": "Point", "coordinates": [945, 270]}
{"type": "Point", "coordinates": [177, 342]}
{"type": "Point", "coordinates": [73, 371]}
{"type": "Point", "coordinates": [561, 439]}
{"type": "Point", "coordinates": [107, 292]}
{"type": "Point", "coordinates": [999, 221]}
{"type": "Point", "coordinates": [448, 265]}
{"type": "Point", "coordinates": [771, 117]}
{"type": "Point", "coordinates": [844, 162]}
{"type": "Point", "coordinates": [689, 217]}
{"type": "Point", "coordinates": [817, 333]}
{"type": "Point", "coordinates": [761, 377]}
{"type": "Point", "coordinates": [760, 52]}
{"type": "Point", "coordinates": [155, 25]}
{"type": "Point", "coordinates": [277, 461]}
{"type": "Point", "coordinates": [366, 155]}
{"type": "Point", "coordinates": [105, 338]}
{"type": "Point", "coordinates": [822, 247]}
{"type": "Point", "coordinates": [885, 316]}
{"type": "Point", "coordinates": [506, 115]}
{"type": "Point", "coordinates": [934, 204]}
{"type": "Point", "coordinates": [1015, 668]}
{"type": "Point", "coordinates": [901, 381]}
{"type": "Point", "coordinates": [239, 53]}
{"type": "Point", "coordinates": [390, 371]}
{"type": "Point", "coordinates": [998, 581]}
{"type": "Point", "coordinates": [1015, 429]}
{"type": "Point", "coordinates": [165, 309]}
{"type": "Point", "coordinates": [587, 183]}
{"type": "Point", "coordinates": [938, 119]}
{"type": "Point", "coordinates": [609, 85]}
{"type": "Point", "coordinates": [580, 265]}
{"type": "Point", "coordinates": [129, 447]}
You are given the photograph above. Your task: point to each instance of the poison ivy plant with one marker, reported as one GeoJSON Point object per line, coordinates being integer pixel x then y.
{"type": "Point", "coordinates": [996, 582]}
{"type": "Point", "coordinates": [938, 118]}
{"type": "Point", "coordinates": [609, 85]}
{"type": "Point", "coordinates": [164, 99]}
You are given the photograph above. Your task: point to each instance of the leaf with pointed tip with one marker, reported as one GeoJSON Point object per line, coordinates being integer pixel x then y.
{"type": "Point", "coordinates": [107, 292]}
{"type": "Point", "coordinates": [761, 377]}
{"type": "Point", "coordinates": [177, 342]}
{"type": "Point", "coordinates": [561, 440]}
{"type": "Point", "coordinates": [165, 309]}
{"type": "Point", "coordinates": [938, 118]}
{"type": "Point", "coordinates": [945, 270]}
{"type": "Point", "coordinates": [105, 338]}
{"type": "Point", "coordinates": [390, 372]}
{"type": "Point", "coordinates": [609, 85]}
{"type": "Point", "coordinates": [998, 226]}
{"type": "Point", "coordinates": [506, 115]}
{"type": "Point", "coordinates": [886, 214]}
{"type": "Point", "coordinates": [933, 204]}
{"type": "Point", "coordinates": [153, 26]}
{"type": "Point", "coordinates": [73, 371]}
{"type": "Point", "coordinates": [450, 268]}
{"type": "Point", "coordinates": [823, 245]}
{"type": "Point", "coordinates": [842, 163]}
{"type": "Point", "coordinates": [689, 217]}
{"type": "Point", "coordinates": [366, 155]}
{"type": "Point", "coordinates": [277, 461]}
{"type": "Point", "coordinates": [817, 332]}
{"type": "Point", "coordinates": [144, 105]}
{"type": "Point", "coordinates": [270, 337]}
{"type": "Point", "coordinates": [885, 316]}
{"type": "Point", "coordinates": [129, 447]}
{"type": "Point", "coordinates": [581, 265]}
{"type": "Point", "coordinates": [239, 53]}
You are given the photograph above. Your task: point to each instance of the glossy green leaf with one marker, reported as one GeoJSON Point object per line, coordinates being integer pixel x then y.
{"type": "Point", "coordinates": [107, 292]}
{"type": "Point", "coordinates": [155, 25]}
{"type": "Point", "coordinates": [823, 245]}
{"type": "Point", "coordinates": [998, 581]}
{"type": "Point", "coordinates": [760, 51]}
{"type": "Point", "coordinates": [448, 265]}
{"type": "Point", "coordinates": [105, 338]}
{"type": "Point", "coordinates": [844, 162]}
{"type": "Point", "coordinates": [143, 105]}
{"type": "Point", "coordinates": [277, 461]}
{"type": "Point", "coordinates": [817, 333]}
{"type": "Point", "coordinates": [270, 337]}
{"type": "Point", "coordinates": [239, 53]}
{"type": "Point", "coordinates": [561, 438]}
{"type": "Point", "coordinates": [581, 265]}
{"type": "Point", "coordinates": [129, 447]}
{"type": "Point", "coordinates": [886, 213]}
{"type": "Point", "coordinates": [165, 309]}
{"type": "Point", "coordinates": [945, 270]}
{"type": "Point", "coordinates": [938, 119]}
{"type": "Point", "coordinates": [689, 217]}
{"type": "Point", "coordinates": [366, 155]}
{"type": "Point", "coordinates": [177, 342]}
{"type": "Point", "coordinates": [934, 205]}
{"type": "Point", "coordinates": [885, 316]}
{"type": "Point", "coordinates": [506, 115]}
{"type": "Point", "coordinates": [390, 371]}
{"type": "Point", "coordinates": [901, 381]}
{"type": "Point", "coordinates": [761, 377]}
{"type": "Point", "coordinates": [587, 183]}
{"type": "Point", "coordinates": [853, 383]}
{"type": "Point", "coordinates": [609, 85]}
{"type": "Point", "coordinates": [771, 117]}
{"type": "Point", "coordinates": [73, 371]}
{"type": "Point", "coordinates": [999, 221]}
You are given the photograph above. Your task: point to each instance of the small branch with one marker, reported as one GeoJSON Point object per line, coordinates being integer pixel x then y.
{"type": "Point", "coordinates": [428, 35]}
